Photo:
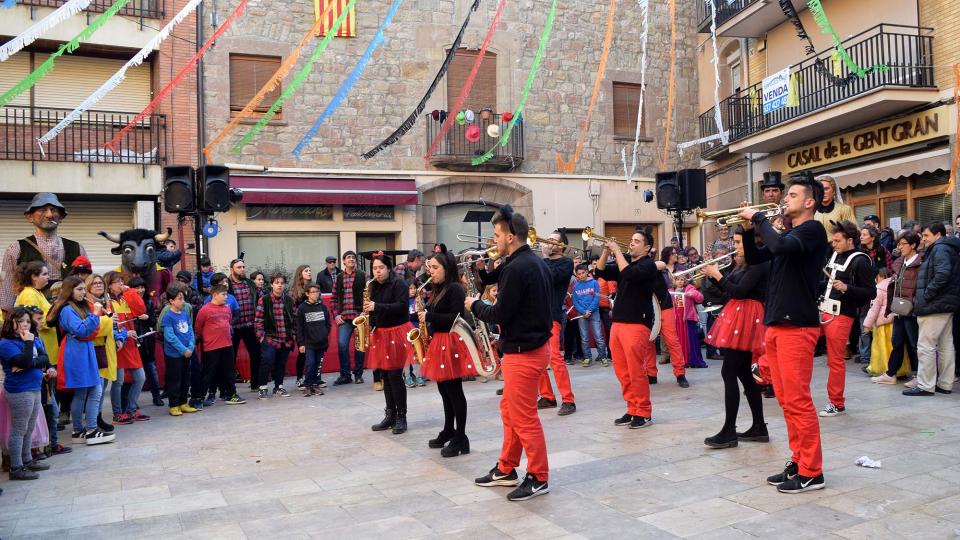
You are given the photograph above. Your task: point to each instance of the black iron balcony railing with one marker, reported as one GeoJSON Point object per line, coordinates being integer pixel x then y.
{"type": "Point", "coordinates": [150, 9]}
{"type": "Point", "coordinates": [725, 12]}
{"type": "Point", "coordinates": [906, 50]}
{"type": "Point", "coordinates": [455, 152]}
{"type": "Point", "coordinates": [83, 140]}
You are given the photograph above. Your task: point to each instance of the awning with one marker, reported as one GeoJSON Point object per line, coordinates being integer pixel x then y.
{"type": "Point", "coordinates": [893, 168]}
{"type": "Point", "coordinates": [301, 190]}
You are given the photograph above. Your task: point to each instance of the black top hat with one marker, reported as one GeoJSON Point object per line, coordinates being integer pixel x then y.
{"type": "Point", "coordinates": [771, 179]}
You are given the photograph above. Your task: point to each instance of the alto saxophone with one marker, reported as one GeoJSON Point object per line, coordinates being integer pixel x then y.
{"type": "Point", "coordinates": [419, 338]}
{"type": "Point", "coordinates": [362, 323]}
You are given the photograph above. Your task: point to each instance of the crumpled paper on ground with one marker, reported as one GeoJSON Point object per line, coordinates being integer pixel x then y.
{"type": "Point", "coordinates": [865, 461]}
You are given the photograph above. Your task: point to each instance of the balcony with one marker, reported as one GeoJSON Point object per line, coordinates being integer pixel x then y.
{"type": "Point", "coordinates": [81, 141]}
{"type": "Point", "coordinates": [743, 18]}
{"type": "Point", "coordinates": [148, 9]}
{"type": "Point", "coordinates": [455, 152]}
{"type": "Point", "coordinates": [827, 108]}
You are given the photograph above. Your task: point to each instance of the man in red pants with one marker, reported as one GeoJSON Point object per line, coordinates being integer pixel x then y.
{"type": "Point", "coordinates": [523, 311]}
{"type": "Point", "coordinates": [793, 323]}
{"type": "Point", "coordinates": [669, 337]}
{"type": "Point", "coordinates": [560, 269]}
{"type": "Point", "coordinates": [633, 318]}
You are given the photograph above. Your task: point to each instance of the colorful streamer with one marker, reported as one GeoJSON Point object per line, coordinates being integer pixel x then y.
{"type": "Point", "coordinates": [467, 85]}
{"type": "Point", "coordinates": [7, 4]}
{"type": "Point", "coordinates": [270, 85]}
{"type": "Point", "coordinates": [67, 47]}
{"type": "Point", "coordinates": [41, 27]}
{"type": "Point", "coordinates": [407, 124]}
{"type": "Point", "coordinates": [351, 80]}
{"type": "Point", "coordinates": [956, 147]}
{"type": "Point", "coordinates": [112, 145]}
{"type": "Point", "coordinates": [820, 17]}
{"type": "Point", "coordinates": [118, 77]}
{"type": "Point", "coordinates": [645, 15]}
{"type": "Point", "coordinates": [569, 166]}
{"type": "Point", "coordinates": [672, 84]}
{"type": "Point", "coordinates": [298, 80]}
{"type": "Point", "coordinates": [505, 137]}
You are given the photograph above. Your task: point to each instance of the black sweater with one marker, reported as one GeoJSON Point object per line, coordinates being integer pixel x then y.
{"type": "Point", "coordinates": [523, 308]}
{"type": "Point", "coordinates": [446, 305]}
{"type": "Point", "coordinates": [861, 286]}
{"type": "Point", "coordinates": [795, 270]}
{"type": "Point", "coordinates": [391, 301]}
{"type": "Point", "coordinates": [560, 270]}
{"type": "Point", "coordinates": [313, 325]}
{"type": "Point", "coordinates": [746, 283]}
{"type": "Point", "coordinates": [636, 284]}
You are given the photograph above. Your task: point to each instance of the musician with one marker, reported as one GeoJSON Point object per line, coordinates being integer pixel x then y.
{"type": "Point", "coordinates": [738, 332]}
{"type": "Point", "coordinates": [669, 331]}
{"type": "Point", "coordinates": [560, 269]}
{"type": "Point", "coordinates": [793, 323]}
{"type": "Point", "coordinates": [523, 311]}
{"type": "Point", "coordinates": [447, 360]}
{"type": "Point", "coordinates": [854, 287]}
{"type": "Point", "coordinates": [633, 318]}
{"type": "Point", "coordinates": [389, 350]}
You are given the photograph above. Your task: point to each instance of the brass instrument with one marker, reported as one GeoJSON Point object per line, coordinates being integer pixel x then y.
{"type": "Point", "coordinates": [474, 239]}
{"type": "Point", "coordinates": [590, 236]}
{"type": "Point", "coordinates": [362, 323]}
{"type": "Point", "coordinates": [534, 242]}
{"type": "Point", "coordinates": [484, 357]}
{"type": "Point", "coordinates": [696, 272]}
{"type": "Point", "coordinates": [419, 338]}
{"type": "Point", "coordinates": [728, 217]}
{"type": "Point", "coordinates": [829, 306]}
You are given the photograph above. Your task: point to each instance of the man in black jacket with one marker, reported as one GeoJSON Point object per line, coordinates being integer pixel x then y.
{"type": "Point", "coordinates": [328, 275]}
{"type": "Point", "coordinates": [523, 311]}
{"type": "Point", "coordinates": [560, 269]}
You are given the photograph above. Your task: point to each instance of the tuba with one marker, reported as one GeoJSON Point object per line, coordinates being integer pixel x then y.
{"type": "Point", "coordinates": [418, 338]}
{"type": "Point", "coordinates": [476, 338]}
{"type": "Point", "coordinates": [362, 323]}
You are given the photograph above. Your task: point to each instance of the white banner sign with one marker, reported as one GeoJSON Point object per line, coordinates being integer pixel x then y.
{"type": "Point", "coordinates": [776, 89]}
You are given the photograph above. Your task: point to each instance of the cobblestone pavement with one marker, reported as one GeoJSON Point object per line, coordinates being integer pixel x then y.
{"type": "Point", "coordinates": [296, 467]}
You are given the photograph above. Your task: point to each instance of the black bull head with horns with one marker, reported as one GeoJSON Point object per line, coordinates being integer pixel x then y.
{"type": "Point", "coordinates": [138, 249]}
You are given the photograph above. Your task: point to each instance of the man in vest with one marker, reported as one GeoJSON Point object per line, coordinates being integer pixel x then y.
{"type": "Point", "coordinates": [45, 213]}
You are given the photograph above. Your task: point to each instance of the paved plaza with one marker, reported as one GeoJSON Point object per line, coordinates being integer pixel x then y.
{"type": "Point", "coordinates": [298, 468]}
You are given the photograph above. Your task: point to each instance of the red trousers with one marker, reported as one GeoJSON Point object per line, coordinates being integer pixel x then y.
{"type": "Point", "coordinates": [837, 333]}
{"type": "Point", "coordinates": [790, 353]}
{"type": "Point", "coordinates": [633, 353]}
{"type": "Point", "coordinates": [671, 338]}
{"type": "Point", "coordinates": [518, 412]}
{"type": "Point", "coordinates": [559, 371]}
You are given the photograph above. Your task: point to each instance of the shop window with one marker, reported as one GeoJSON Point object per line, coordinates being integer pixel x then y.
{"type": "Point", "coordinates": [248, 74]}
{"type": "Point", "coordinates": [933, 208]}
{"type": "Point", "coordinates": [864, 210]}
{"type": "Point", "coordinates": [626, 100]}
{"type": "Point", "coordinates": [894, 212]}
{"type": "Point", "coordinates": [484, 90]}
{"type": "Point", "coordinates": [284, 251]}
{"type": "Point", "coordinates": [450, 223]}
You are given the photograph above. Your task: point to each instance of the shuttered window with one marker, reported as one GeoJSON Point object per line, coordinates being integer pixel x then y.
{"type": "Point", "coordinates": [247, 75]}
{"type": "Point", "coordinates": [626, 100]}
{"type": "Point", "coordinates": [14, 70]}
{"type": "Point", "coordinates": [864, 210]}
{"type": "Point", "coordinates": [933, 208]}
{"type": "Point", "coordinates": [73, 78]}
{"type": "Point", "coordinates": [484, 91]}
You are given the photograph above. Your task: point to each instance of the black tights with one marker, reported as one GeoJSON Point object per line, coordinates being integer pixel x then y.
{"type": "Point", "coordinates": [394, 391]}
{"type": "Point", "coordinates": [454, 406]}
{"type": "Point", "coordinates": [736, 365]}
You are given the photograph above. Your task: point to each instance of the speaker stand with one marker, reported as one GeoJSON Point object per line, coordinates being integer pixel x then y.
{"type": "Point", "coordinates": [678, 214]}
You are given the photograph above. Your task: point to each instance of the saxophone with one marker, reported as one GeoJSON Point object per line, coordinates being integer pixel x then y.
{"type": "Point", "coordinates": [419, 338]}
{"type": "Point", "coordinates": [362, 323]}
{"type": "Point", "coordinates": [478, 341]}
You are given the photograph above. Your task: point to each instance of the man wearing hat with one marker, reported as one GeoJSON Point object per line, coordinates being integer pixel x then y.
{"type": "Point", "coordinates": [771, 191]}
{"type": "Point", "coordinates": [328, 276]}
{"type": "Point", "coordinates": [409, 270]}
{"type": "Point", "coordinates": [45, 213]}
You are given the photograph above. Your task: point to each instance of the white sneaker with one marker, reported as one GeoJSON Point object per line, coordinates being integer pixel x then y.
{"type": "Point", "coordinates": [883, 378]}
{"type": "Point", "coordinates": [832, 410]}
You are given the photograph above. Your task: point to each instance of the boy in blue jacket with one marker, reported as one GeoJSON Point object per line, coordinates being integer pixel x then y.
{"type": "Point", "coordinates": [586, 300]}
{"type": "Point", "coordinates": [178, 347]}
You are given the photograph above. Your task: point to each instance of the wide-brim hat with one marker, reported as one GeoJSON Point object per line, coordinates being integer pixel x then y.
{"type": "Point", "coordinates": [772, 179]}
{"type": "Point", "coordinates": [473, 133]}
{"type": "Point", "coordinates": [493, 131]}
{"type": "Point", "coordinates": [43, 199]}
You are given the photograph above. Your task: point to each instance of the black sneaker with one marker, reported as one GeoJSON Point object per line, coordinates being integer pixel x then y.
{"type": "Point", "coordinates": [800, 483]}
{"type": "Point", "coordinates": [567, 409]}
{"type": "Point", "coordinates": [942, 391]}
{"type": "Point", "coordinates": [262, 394]}
{"type": "Point", "coordinates": [497, 478]}
{"type": "Point", "coordinates": [500, 391]}
{"type": "Point", "coordinates": [530, 488]}
{"type": "Point", "coordinates": [544, 403]}
{"type": "Point", "coordinates": [789, 472]}
{"type": "Point", "coordinates": [99, 437]}
{"type": "Point", "coordinates": [282, 391]}
{"type": "Point", "coordinates": [358, 379]}
{"type": "Point", "coordinates": [640, 422]}
{"type": "Point", "coordinates": [916, 391]}
{"type": "Point", "coordinates": [651, 379]}
{"type": "Point", "coordinates": [341, 380]}
{"type": "Point", "coordinates": [79, 437]}
{"type": "Point", "coordinates": [623, 420]}
{"type": "Point", "coordinates": [682, 381]}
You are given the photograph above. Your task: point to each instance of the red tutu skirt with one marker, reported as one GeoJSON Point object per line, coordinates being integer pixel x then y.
{"type": "Point", "coordinates": [739, 327]}
{"type": "Point", "coordinates": [389, 349]}
{"type": "Point", "coordinates": [447, 358]}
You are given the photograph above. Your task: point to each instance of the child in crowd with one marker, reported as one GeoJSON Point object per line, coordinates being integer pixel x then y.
{"type": "Point", "coordinates": [691, 322]}
{"type": "Point", "coordinates": [178, 347]}
{"type": "Point", "coordinates": [313, 331]}
{"type": "Point", "coordinates": [879, 322]}
{"type": "Point", "coordinates": [586, 300]}
{"type": "Point", "coordinates": [213, 329]}
{"type": "Point", "coordinates": [412, 379]}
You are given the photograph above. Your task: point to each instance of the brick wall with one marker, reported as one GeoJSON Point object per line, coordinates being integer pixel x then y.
{"type": "Point", "coordinates": [943, 17]}
{"type": "Point", "coordinates": [756, 62]}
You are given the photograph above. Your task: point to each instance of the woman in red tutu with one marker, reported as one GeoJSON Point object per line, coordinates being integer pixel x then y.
{"type": "Point", "coordinates": [738, 333]}
{"type": "Point", "coordinates": [389, 351]}
{"type": "Point", "coordinates": [447, 360]}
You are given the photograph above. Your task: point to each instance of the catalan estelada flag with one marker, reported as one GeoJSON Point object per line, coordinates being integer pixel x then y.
{"type": "Point", "coordinates": [349, 26]}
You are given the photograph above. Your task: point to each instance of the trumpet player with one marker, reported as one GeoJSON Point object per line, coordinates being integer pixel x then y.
{"type": "Point", "coordinates": [447, 360]}
{"type": "Point", "coordinates": [560, 269]}
{"type": "Point", "coordinates": [389, 350]}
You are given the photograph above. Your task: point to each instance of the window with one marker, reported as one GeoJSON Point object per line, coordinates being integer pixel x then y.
{"type": "Point", "coordinates": [247, 75]}
{"type": "Point", "coordinates": [287, 250]}
{"type": "Point", "coordinates": [864, 210]}
{"type": "Point", "coordinates": [626, 99]}
{"type": "Point", "coordinates": [450, 223]}
{"type": "Point", "coordinates": [484, 90]}
{"type": "Point", "coordinates": [933, 208]}
{"type": "Point", "coordinates": [735, 76]}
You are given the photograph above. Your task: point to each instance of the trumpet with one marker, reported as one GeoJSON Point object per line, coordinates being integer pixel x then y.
{"type": "Point", "coordinates": [696, 272]}
{"type": "Point", "coordinates": [490, 254]}
{"type": "Point", "coordinates": [535, 242]}
{"type": "Point", "coordinates": [590, 236]}
{"type": "Point", "coordinates": [730, 216]}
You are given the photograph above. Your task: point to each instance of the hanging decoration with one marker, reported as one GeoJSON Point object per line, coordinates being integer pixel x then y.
{"type": "Point", "coordinates": [298, 80]}
{"type": "Point", "coordinates": [956, 147]}
{"type": "Point", "coordinates": [407, 124]}
{"type": "Point", "coordinates": [709, 138]}
{"type": "Point", "coordinates": [270, 85]}
{"type": "Point", "coordinates": [671, 85]}
{"type": "Point", "coordinates": [645, 16]}
{"type": "Point", "coordinates": [517, 113]}
{"type": "Point", "coordinates": [41, 27]}
{"type": "Point", "coordinates": [569, 166]}
{"type": "Point", "coordinates": [67, 47]}
{"type": "Point", "coordinates": [112, 145]}
{"type": "Point", "coordinates": [717, 116]}
{"type": "Point", "coordinates": [351, 80]}
{"type": "Point", "coordinates": [467, 84]}
{"type": "Point", "coordinates": [820, 17]}
{"type": "Point", "coordinates": [118, 77]}
{"type": "Point", "coordinates": [328, 11]}
{"type": "Point", "coordinates": [7, 4]}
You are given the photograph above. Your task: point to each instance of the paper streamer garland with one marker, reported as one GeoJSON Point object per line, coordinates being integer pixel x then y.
{"type": "Point", "coordinates": [717, 117]}
{"type": "Point", "coordinates": [298, 79]}
{"type": "Point", "coordinates": [672, 83]}
{"type": "Point", "coordinates": [569, 166]}
{"type": "Point", "coordinates": [956, 147]}
{"type": "Point", "coordinates": [112, 145]}
{"type": "Point", "coordinates": [505, 137]}
{"type": "Point", "coordinates": [645, 15]}
{"type": "Point", "coordinates": [467, 85]}
{"type": "Point", "coordinates": [67, 47]}
{"type": "Point", "coordinates": [351, 80]}
{"type": "Point", "coordinates": [820, 17]}
{"type": "Point", "coordinates": [118, 77]}
{"type": "Point", "coordinates": [407, 124]}
{"type": "Point", "coordinates": [41, 27]}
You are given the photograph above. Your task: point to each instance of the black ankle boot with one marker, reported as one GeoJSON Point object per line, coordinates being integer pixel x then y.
{"type": "Point", "coordinates": [442, 438]}
{"type": "Point", "coordinates": [400, 425]}
{"type": "Point", "coordinates": [459, 445]}
{"type": "Point", "coordinates": [724, 439]}
{"type": "Point", "coordinates": [756, 433]}
{"type": "Point", "coordinates": [389, 418]}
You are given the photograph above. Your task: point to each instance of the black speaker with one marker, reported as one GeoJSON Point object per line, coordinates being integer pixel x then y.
{"type": "Point", "coordinates": [693, 188]}
{"type": "Point", "coordinates": [668, 191]}
{"type": "Point", "coordinates": [214, 185]}
{"type": "Point", "coordinates": [178, 192]}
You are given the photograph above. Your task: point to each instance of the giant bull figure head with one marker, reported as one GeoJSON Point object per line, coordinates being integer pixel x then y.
{"type": "Point", "coordinates": [138, 249]}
